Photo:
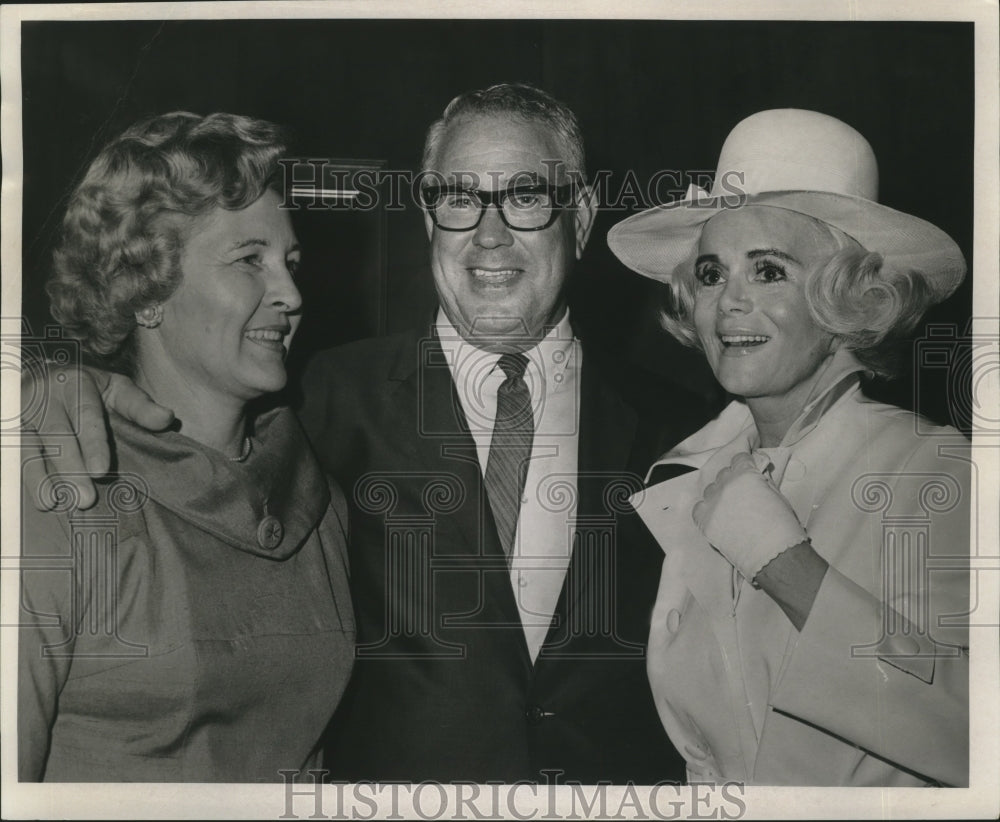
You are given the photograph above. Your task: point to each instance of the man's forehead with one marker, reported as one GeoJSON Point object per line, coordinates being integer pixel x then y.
{"type": "Point", "coordinates": [495, 152]}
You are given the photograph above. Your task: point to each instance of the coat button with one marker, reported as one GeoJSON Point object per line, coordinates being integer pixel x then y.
{"type": "Point", "coordinates": [269, 533]}
{"type": "Point", "coordinates": [673, 620]}
{"type": "Point", "coordinates": [536, 713]}
{"type": "Point", "coordinates": [795, 470]}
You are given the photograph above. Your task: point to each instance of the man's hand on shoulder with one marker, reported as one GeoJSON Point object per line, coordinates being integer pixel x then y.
{"type": "Point", "coordinates": [64, 437]}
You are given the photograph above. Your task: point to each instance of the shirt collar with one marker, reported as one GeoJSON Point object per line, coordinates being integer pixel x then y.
{"type": "Point", "coordinates": [548, 360]}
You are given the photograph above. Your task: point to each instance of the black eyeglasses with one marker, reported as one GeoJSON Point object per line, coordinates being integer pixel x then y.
{"type": "Point", "coordinates": [522, 208]}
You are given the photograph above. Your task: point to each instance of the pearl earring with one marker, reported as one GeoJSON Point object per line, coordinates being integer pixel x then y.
{"type": "Point", "coordinates": [149, 317]}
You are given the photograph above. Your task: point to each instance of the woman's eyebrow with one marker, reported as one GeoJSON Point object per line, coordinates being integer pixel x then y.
{"type": "Point", "coordinates": [772, 252]}
{"type": "Point", "coordinates": [245, 243]}
{"type": "Point", "coordinates": [707, 258]}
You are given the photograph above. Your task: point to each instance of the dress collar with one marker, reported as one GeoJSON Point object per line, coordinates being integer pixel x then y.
{"type": "Point", "coordinates": [266, 505]}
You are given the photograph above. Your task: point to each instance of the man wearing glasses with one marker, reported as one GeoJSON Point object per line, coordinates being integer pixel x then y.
{"type": "Point", "coordinates": [509, 643]}
{"type": "Point", "coordinates": [502, 589]}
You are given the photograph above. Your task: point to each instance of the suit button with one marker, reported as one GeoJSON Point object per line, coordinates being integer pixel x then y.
{"type": "Point", "coordinates": [269, 533]}
{"type": "Point", "coordinates": [536, 713]}
{"type": "Point", "coordinates": [673, 620]}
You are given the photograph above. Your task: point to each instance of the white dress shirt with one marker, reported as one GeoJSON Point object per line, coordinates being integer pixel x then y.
{"type": "Point", "coordinates": [543, 542]}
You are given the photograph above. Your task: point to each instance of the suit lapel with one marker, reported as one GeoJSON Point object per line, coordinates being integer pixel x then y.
{"type": "Point", "coordinates": [421, 379]}
{"type": "Point", "coordinates": [443, 444]}
{"type": "Point", "coordinates": [607, 434]}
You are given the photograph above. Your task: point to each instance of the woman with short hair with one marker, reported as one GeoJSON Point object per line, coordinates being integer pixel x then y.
{"type": "Point", "coordinates": [810, 623]}
{"type": "Point", "coordinates": [196, 625]}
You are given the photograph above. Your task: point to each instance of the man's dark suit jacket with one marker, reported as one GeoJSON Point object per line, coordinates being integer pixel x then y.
{"type": "Point", "coordinates": [444, 688]}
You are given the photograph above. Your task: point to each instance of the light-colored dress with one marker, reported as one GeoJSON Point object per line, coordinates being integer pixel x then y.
{"type": "Point", "coordinates": [195, 625]}
{"type": "Point", "coordinates": [874, 691]}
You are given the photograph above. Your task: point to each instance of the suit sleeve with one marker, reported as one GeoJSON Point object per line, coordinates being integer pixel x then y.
{"type": "Point", "coordinates": [315, 399]}
{"type": "Point", "coordinates": [45, 636]}
{"type": "Point", "coordinates": [329, 411]}
{"type": "Point", "coordinates": [904, 696]}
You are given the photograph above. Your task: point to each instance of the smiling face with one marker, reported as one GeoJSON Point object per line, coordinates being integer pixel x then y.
{"type": "Point", "coordinates": [226, 328]}
{"type": "Point", "coordinates": [750, 308]}
{"type": "Point", "coordinates": [493, 281]}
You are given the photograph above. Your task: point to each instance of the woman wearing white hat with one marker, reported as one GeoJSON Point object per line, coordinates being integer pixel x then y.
{"type": "Point", "coordinates": [808, 629]}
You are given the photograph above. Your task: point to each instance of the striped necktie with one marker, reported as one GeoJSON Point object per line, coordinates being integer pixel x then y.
{"type": "Point", "coordinates": [510, 449]}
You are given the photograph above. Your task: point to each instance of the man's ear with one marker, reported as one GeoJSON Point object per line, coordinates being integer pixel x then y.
{"type": "Point", "coordinates": [586, 211]}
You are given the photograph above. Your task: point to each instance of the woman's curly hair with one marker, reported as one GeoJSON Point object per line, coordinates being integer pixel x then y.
{"type": "Point", "coordinates": [854, 296]}
{"type": "Point", "coordinates": [122, 237]}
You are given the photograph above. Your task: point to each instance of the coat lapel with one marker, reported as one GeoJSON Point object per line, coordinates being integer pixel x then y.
{"type": "Point", "coordinates": [607, 433]}
{"type": "Point", "coordinates": [443, 444]}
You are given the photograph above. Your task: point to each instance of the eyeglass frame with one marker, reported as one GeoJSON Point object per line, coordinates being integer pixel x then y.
{"type": "Point", "coordinates": [497, 198]}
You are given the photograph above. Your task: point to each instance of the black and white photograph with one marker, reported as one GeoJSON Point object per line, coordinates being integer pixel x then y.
{"type": "Point", "coordinates": [515, 412]}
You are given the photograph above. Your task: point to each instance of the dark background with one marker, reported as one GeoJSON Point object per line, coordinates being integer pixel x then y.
{"type": "Point", "coordinates": [650, 95]}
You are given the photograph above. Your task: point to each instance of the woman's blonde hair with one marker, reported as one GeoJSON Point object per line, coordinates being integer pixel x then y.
{"type": "Point", "coordinates": [853, 296]}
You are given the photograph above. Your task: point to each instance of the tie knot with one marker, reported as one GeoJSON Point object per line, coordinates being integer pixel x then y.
{"type": "Point", "coordinates": [513, 365]}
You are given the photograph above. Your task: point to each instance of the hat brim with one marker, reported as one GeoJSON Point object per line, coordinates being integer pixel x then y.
{"type": "Point", "coordinates": [656, 242]}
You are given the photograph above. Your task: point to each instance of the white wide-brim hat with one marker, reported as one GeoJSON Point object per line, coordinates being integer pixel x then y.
{"type": "Point", "coordinates": [805, 162]}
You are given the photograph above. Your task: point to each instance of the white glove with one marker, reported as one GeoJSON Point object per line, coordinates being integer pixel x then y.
{"type": "Point", "coordinates": [746, 518]}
